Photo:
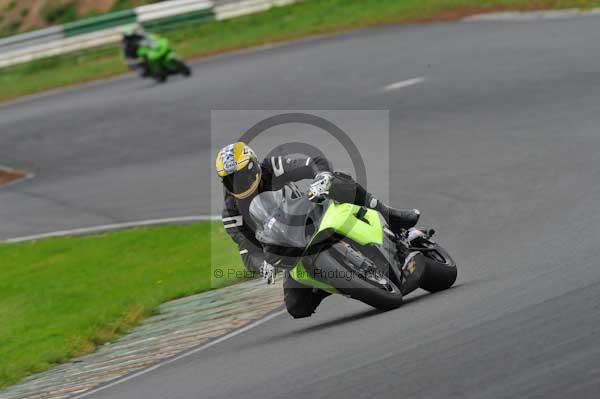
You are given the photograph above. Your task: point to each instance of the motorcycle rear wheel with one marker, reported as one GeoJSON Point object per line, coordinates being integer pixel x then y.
{"type": "Point", "coordinates": [182, 68]}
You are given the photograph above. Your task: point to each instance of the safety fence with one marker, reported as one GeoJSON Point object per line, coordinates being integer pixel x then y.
{"type": "Point", "coordinates": [106, 29]}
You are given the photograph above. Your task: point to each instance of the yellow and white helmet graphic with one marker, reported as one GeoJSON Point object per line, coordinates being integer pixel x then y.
{"type": "Point", "coordinates": [239, 169]}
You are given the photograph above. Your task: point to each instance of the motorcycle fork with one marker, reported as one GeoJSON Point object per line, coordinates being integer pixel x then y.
{"type": "Point", "coordinates": [413, 264]}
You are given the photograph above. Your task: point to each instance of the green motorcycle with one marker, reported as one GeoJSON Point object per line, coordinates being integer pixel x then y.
{"type": "Point", "coordinates": [154, 56]}
{"type": "Point", "coordinates": [347, 249]}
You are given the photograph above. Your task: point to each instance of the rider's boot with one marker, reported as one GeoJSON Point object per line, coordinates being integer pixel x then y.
{"type": "Point", "coordinates": [398, 219]}
{"type": "Point", "coordinates": [344, 188]}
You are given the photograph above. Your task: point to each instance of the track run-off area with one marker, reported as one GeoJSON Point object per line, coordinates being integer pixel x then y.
{"type": "Point", "coordinates": [493, 136]}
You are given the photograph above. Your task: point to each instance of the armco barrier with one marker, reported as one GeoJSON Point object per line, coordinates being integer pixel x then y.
{"type": "Point", "coordinates": [166, 15]}
{"type": "Point", "coordinates": [245, 7]}
{"type": "Point", "coordinates": [61, 46]}
{"type": "Point", "coordinates": [29, 39]}
{"type": "Point", "coordinates": [104, 30]}
{"type": "Point", "coordinates": [240, 8]}
{"type": "Point", "coordinates": [174, 21]}
{"type": "Point", "coordinates": [170, 8]}
{"type": "Point", "coordinates": [100, 23]}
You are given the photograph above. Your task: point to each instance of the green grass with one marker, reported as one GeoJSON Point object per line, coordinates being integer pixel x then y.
{"type": "Point", "coordinates": [62, 297]}
{"type": "Point", "coordinates": [311, 17]}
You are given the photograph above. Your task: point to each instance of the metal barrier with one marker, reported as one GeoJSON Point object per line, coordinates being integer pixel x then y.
{"type": "Point", "coordinates": [61, 46]}
{"type": "Point", "coordinates": [167, 15]}
{"type": "Point", "coordinates": [105, 29]}
{"type": "Point", "coordinates": [176, 21]}
{"type": "Point", "coordinates": [29, 39]}
{"type": "Point", "coordinates": [245, 7]}
{"type": "Point", "coordinates": [170, 8]}
{"type": "Point", "coordinates": [102, 22]}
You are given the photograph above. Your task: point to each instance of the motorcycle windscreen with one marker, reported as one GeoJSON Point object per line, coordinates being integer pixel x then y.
{"type": "Point", "coordinates": [284, 218]}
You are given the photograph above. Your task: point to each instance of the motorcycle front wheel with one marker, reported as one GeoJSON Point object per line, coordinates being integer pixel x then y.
{"type": "Point", "coordinates": [440, 269]}
{"type": "Point", "coordinates": [160, 74]}
{"type": "Point", "coordinates": [334, 270]}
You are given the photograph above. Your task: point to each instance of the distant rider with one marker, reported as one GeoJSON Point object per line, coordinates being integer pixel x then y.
{"type": "Point", "coordinates": [134, 38]}
{"type": "Point", "coordinates": [244, 177]}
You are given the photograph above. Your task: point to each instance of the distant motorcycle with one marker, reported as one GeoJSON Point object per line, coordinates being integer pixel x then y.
{"type": "Point", "coordinates": [347, 249]}
{"type": "Point", "coordinates": [155, 58]}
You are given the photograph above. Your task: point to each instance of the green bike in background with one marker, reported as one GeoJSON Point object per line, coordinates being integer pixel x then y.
{"type": "Point", "coordinates": [152, 55]}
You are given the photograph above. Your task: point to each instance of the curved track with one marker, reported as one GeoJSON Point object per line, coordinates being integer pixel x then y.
{"type": "Point", "coordinates": [498, 146]}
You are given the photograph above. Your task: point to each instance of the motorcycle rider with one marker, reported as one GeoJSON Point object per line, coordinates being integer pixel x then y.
{"type": "Point", "coordinates": [244, 177]}
{"type": "Point", "coordinates": [133, 38]}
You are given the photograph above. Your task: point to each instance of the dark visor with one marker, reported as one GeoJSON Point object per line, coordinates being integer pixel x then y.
{"type": "Point", "coordinates": [240, 181]}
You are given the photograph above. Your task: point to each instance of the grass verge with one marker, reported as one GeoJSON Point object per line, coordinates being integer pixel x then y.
{"type": "Point", "coordinates": [63, 297]}
{"type": "Point", "coordinates": [312, 17]}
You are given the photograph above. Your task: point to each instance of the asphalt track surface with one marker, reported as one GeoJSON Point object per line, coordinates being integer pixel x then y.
{"type": "Point", "coordinates": [498, 146]}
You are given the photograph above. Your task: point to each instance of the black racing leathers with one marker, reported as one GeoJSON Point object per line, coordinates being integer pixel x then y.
{"type": "Point", "coordinates": [276, 173]}
{"type": "Point", "coordinates": [129, 48]}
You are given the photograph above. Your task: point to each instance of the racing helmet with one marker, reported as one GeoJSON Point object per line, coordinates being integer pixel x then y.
{"type": "Point", "coordinates": [239, 169]}
{"type": "Point", "coordinates": [132, 31]}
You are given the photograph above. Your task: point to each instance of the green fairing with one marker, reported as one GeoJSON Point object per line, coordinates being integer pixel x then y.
{"type": "Point", "coordinates": [342, 219]}
{"type": "Point", "coordinates": [300, 274]}
{"type": "Point", "coordinates": [161, 47]}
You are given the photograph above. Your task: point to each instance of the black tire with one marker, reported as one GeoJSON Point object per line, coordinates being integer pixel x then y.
{"type": "Point", "coordinates": [159, 72]}
{"type": "Point", "coordinates": [356, 288]}
{"type": "Point", "coordinates": [161, 77]}
{"type": "Point", "coordinates": [440, 269]}
{"type": "Point", "coordinates": [182, 68]}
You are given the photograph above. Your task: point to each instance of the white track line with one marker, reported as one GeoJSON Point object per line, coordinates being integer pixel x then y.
{"type": "Point", "coordinates": [534, 15]}
{"type": "Point", "coordinates": [403, 83]}
{"type": "Point", "coordinates": [184, 355]}
{"type": "Point", "coordinates": [111, 227]}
